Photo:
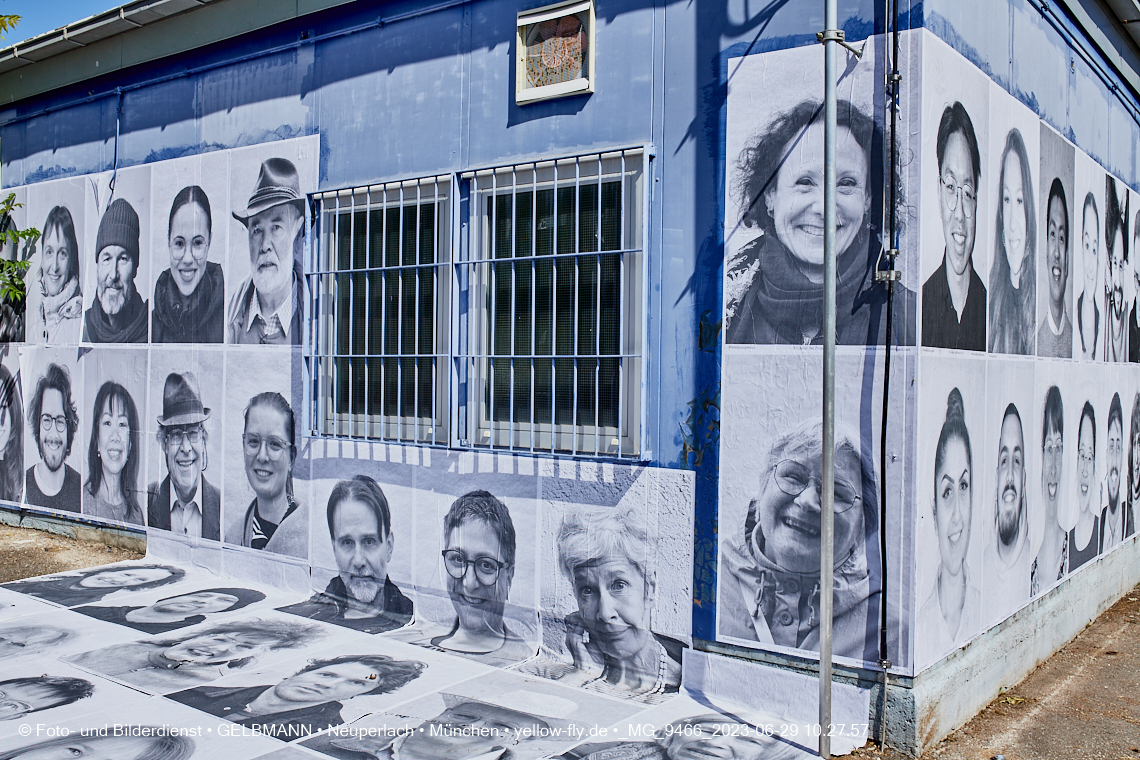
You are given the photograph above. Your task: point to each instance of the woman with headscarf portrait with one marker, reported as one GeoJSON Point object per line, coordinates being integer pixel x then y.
{"type": "Point", "coordinates": [1013, 276]}
{"type": "Point", "coordinates": [771, 569]}
{"type": "Point", "coordinates": [779, 276]}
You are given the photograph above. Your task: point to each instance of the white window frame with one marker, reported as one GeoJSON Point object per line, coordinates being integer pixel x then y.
{"type": "Point", "coordinates": [480, 425]}
{"type": "Point", "coordinates": [524, 94]}
{"type": "Point", "coordinates": [462, 317]}
{"type": "Point", "coordinates": [394, 360]}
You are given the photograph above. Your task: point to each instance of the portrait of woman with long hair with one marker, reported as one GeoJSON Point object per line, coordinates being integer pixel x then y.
{"type": "Point", "coordinates": [113, 457]}
{"type": "Point", "coordinates": [1013, 276]}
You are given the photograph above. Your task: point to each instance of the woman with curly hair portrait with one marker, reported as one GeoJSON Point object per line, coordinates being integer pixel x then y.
{"type": "Point", "coordinates": [775, 289]}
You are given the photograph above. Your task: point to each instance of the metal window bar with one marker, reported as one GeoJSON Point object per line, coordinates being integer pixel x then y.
{"type": "Point", "coordinates": [580, 270]}
{"type": "Point", "coordinates": [374, 359]}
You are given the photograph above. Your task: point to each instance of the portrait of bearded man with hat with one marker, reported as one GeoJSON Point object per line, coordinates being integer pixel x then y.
{"type": "Point", "coordinates": [118, 314]}
{"type": "Point", "coordinates": [266, 309]}
{"type": "Point", "coordinates": [184, 502]}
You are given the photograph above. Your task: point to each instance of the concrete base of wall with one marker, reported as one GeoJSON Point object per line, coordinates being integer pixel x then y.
{"type": "Point", "coordinates": [919, 712]}
{"type": "Point", "coordinates": [122, 538]}
{"type": "Point", "coordinates": [948, 694]}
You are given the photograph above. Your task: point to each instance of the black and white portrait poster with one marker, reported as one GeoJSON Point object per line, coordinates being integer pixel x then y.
{"type": "Point", "coordinates": [184, 437]}
{"type": "Point", "coordinates": [1059, 213]}
{"type": "Point", "coordinates": [118, 245]}
{"type": "Point", "coordinates": [1010, 466]}
{"type": "Point", "coordinates": [474, 565]}
{"type": "Point", "coordinates": [1117, 237]}
{"type": "Point", "coordinates": [1132, 280]}
{"type": "Point", "coordinates": [47, 691]}
{"type": "Point", "coordinates": [330, 685]}
{"type": "Point", "coordinates": [168, 730]}
{"type": "Point", "coordinates": [53, 450]}
{"type": "Point", "coordinates": [956, 239]}
{"type": "Point", "coordinates": [685, 727]}
{"type": "Point", "coordinates": [62, 258]}
{"type": "Point", "coordinates": [267, 221]}
{"type": "Point", "coordinates": [773, 222]}
{"type": "Point", "coordinates": [1011, 221]}
{"type": "Point", "coordinates": [363, 539]}
{"type": "Point", "coordinates": [771, 470]}
{"type": "Point", "coordinates": [13, 426]}
{"type": "Point", "coordinates": [532, 718]}
{"type": "Point", "coordinates": [616, 564]}
{"type": "Point", "coordinates": [267, 501]}
{"type": "Point", "coordinates": [1052, 499]}
{"type": "Point", "coordinates": [189, 238]}
{"type": "Point", "coordinates": [1089, 181]}
{"type": "Point", "coordinates": [951, 499]}
{"type": "Point", "coordinates": [191, 657]}
{"type": "Point", "coordinates": [112, 437]}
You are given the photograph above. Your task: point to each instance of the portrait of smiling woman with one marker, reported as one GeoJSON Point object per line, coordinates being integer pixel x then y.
{"type": "Point", "coordinates": [769, 590]}
{"type": "Point", "coordinates": [274, 521]}
{"type": "Point", "coordinates": [779, 184]}
{"type": "Point", "coordinates": [59, 315]}
{"type": "Point", "coordinates": [113, 457]}
{"type": "Point", "coordinates": [1013, 277]}
{"type": "Point", "coordinates": [189, 297]}
{"type": "Point", "coordinates": [952, 610]}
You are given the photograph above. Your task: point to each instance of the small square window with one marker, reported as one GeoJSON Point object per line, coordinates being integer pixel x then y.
{"type": "Point", "coordinates": [555, 51]}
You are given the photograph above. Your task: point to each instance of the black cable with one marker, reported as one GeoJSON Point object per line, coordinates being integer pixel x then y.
{"type": "Point", "coordinates": [884, 659]}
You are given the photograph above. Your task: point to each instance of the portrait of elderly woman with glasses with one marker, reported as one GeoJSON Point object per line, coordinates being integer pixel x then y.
{"type": "Point", "coordinates": [770, 585]}
{"type": "Point", "coordinates": [608, 559]}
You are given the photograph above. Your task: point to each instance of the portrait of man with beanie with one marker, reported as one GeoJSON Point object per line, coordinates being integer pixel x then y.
{"type": "Point", "coordinates": [118, 314]}
{"type": "Point", "coordinates": [267, 306]}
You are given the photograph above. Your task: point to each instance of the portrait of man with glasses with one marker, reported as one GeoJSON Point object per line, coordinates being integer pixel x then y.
{"type": "Point", "coordinates": [478, 560]}
{"type": "Point", "coordinates": [954, 298]}
{"type": "Point", "coordinates": [50, 482]}
{"type": "Point", "coordinates": [361, 596]}
{"type": "Point", "coordinates": [184, 503]}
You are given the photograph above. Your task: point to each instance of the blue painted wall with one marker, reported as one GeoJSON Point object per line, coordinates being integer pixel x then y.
{"type": "Point", "coordinates": [435, 93]}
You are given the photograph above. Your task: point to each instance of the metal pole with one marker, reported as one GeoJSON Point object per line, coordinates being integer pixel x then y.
{"type": "Point", "coordinates": [827, 541]}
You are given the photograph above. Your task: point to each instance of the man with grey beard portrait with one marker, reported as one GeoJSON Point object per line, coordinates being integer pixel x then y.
{"type": "Point", "coordinates": [1112, 516]}
{"type": "Point", "coordinates": [118, 314]}
{"type": "Point", "coordinates": [1008, 557]}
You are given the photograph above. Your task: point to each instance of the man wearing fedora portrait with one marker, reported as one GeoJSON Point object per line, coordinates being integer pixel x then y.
{"type": "Point", "coordinates": [266, 309]}
{"type": "Point", "coordinates": [184, 503]}
{"type": "Point", "coordinates": [118, 314]}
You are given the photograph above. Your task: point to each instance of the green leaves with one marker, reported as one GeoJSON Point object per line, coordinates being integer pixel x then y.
{"type": "Point", "coordinates": [7, 24]}
{"type": "Point", "coordinates": [16, 248]}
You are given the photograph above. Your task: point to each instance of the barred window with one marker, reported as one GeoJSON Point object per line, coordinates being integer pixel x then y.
{"type": "Point", "coordinates": [551, 358]}
{"type": "Point", "coordinates": [498, 309]}
{"type": "Point", "coordinates": [380, 337]}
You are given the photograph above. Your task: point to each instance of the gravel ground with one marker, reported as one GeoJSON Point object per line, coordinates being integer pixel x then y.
{"type": "Point", "coordinates": [25, 553]}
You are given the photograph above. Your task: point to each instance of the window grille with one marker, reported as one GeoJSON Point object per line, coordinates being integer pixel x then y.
{"type": "Point", "coordinates": [550, 357]}
{"type": "Point", "coordinates": [380, 337]}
